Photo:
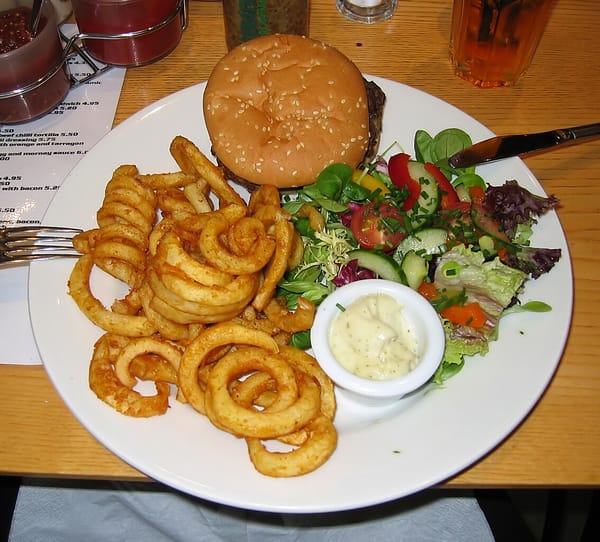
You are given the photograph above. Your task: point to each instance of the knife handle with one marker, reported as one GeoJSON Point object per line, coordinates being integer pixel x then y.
{"type": "Point", "coordinates": [579, 132]}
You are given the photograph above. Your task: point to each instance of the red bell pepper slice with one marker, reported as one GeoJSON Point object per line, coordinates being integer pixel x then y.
{"type": "Point", "coordinates": [398, 171]}
{"type": "Point", "coordinates": [448, 196]}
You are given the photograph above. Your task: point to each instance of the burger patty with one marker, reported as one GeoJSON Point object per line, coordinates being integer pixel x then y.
{"type": "Point", "coordinates": [376, 101]}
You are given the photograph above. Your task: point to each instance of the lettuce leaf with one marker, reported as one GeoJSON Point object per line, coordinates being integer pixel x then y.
{"type": "Point", "coordinates": [492, 284]}
{"type": "Point", "coordinates": [457, 347]}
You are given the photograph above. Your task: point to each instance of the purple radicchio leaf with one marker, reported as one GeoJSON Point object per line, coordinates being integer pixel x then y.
{"type": "Point", "coordinates": [351, 273]}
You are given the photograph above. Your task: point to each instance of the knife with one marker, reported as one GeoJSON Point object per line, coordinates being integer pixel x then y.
{"type": "Point", "coordinates": [501, 147]}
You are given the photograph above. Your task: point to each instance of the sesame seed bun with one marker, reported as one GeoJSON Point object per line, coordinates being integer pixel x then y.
{"type": "Point", "coordinates": [280, 108]}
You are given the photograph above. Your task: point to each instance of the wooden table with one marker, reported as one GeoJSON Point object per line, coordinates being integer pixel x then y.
{"type": "Point", "coordinates": [558, 444]}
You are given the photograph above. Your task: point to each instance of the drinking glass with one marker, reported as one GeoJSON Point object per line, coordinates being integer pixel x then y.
{"type": "Point", "coordinates": [492, 42]}
{"type": "Point", "coordinates": [367, 11]}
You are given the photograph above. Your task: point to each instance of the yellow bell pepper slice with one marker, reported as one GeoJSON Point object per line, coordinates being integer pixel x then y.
{"type": "Point", "coordinates": [369, 182]}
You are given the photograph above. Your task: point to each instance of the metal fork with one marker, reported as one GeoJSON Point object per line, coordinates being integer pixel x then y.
{"type": "Point", "coordinates": [26, 243]}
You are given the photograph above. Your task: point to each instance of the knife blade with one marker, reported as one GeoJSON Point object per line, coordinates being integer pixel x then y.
{"type": "Point", "coordinates": [497, 148]}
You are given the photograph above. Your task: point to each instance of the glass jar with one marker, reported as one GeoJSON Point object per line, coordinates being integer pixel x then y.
{"type": "Point", "coordinates": [33, 77]}
{"type": "Point", "coordinates": [129, 32]}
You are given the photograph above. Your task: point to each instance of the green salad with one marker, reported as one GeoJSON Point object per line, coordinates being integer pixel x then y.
{"type": "Point", "coordinates": [445, 232]}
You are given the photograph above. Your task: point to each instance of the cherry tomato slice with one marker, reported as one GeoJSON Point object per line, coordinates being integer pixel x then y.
{"type": "Point", "coordinates": [378, 225]}
{"type": "Point", "coordinates": [399, 175]}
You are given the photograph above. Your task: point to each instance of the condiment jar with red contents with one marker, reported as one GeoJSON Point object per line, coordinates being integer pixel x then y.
{"type": "Point", "coordinates": [33, 73]}
{"type": "Point", "coordinates": [129, 32]}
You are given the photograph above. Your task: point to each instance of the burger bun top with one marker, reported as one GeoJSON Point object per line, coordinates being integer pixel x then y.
{"type": "Point", "coordinates": [280, 108]}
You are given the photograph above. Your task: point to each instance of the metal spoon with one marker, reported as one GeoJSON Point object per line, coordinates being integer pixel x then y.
{"type": "Point", "coordinates": [36, 15]}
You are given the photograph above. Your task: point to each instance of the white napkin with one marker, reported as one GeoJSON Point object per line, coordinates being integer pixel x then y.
{"type": "Point", "coordinates": [59, 511]}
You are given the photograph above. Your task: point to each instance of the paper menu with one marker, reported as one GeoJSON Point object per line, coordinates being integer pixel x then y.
{"type": "Point", "coordinates": [35, 158]}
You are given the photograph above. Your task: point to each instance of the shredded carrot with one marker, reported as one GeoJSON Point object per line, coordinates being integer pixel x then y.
{"type": "Point", "coordinates": [428, 290]}
{"type": "Point", "coordinates": [477, 194]}
{"type": "Point", "coordinates": [503, 254]}
{"type": "Point", "coordinates": [470, 314]}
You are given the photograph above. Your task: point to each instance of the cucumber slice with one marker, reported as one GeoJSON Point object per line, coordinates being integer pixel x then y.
{"type": "Point", "coordinates": [487, 245]}
{"type": "Point", "coordinates": [415, 269]}
{"type": "Point", "coordinates": [383, 265]}
{"type": "Point", "coordinates": [424, 242]}
{"type": "Point", "coordinates": [463, 193]}
{"type": "Point", "coordinates": [429, 198]}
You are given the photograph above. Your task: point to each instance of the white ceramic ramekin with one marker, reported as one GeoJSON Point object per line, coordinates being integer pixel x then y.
{"type": "Point", "coordinates": [421, 318]}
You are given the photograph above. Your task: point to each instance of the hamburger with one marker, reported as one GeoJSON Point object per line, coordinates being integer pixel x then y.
{"type": "Point", "coordinates": [280, 108]}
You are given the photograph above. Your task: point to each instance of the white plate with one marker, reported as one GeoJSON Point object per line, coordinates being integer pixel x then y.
{"type": "Point", "coordinates": [382, 454]}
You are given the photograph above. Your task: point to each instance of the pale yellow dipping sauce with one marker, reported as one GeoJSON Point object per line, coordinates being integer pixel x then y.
{"type": "Point", "coordinates": [371, 339]}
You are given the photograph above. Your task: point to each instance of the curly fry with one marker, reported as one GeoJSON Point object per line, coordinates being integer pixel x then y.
{"type": "Point", "coordinates": [171, 251]}
{"type": "Point", "coordinates": [315, 218]}
{"type": "Point", "coordinates": [247, 422]}
{"type": "Point", "coordinates": [127, 201]}
{"type": "Point", "coordinates": [297, 252]}
{"type": "Point", "coordinates": [319, 446]}
{"type": "Point", "coordinates": [144, 345]}
{"type": "Point", "coordinates": [303, 361]}
{"type": "Point", "coordinates": [291, 321]}
{"type": "Point", "coordinates": [276, 268]}
{"type": "Point", "coordinates": [196, 298]}
{"type": "Point", "coordinates": [264, 195]}
{"type": "Point", "coordinates": [193, 162]}
{"type": "Point", "coordinates": [213, 249]}
{"type": "Point", "coordinates": [79, 289]}
{"type": "Point", "coordinates": [174, 204]}
{"type": "Point", "coordinates": [105, 384]}
{"type": "Point", "coordinates": [207, 341]}
{"type": "Point", "coordinates": [200, 315]}
{"type": "Point", "coordinates": [160, 181]}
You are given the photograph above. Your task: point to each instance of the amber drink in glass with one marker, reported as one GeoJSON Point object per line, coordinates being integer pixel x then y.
{"type": "Point", "coordinates": [493, 42]}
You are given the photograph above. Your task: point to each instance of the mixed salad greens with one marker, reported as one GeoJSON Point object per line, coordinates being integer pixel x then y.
{"type": "Point", "coordinates": [445, 232]}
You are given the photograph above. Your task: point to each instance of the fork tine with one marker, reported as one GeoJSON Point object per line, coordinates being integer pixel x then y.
{"type": "Point", "coordinates": [39, 231]}
{"type": "Point", "coordinates": [25, 255]}
{"type": "Point", "coordinates": [26, 243]}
